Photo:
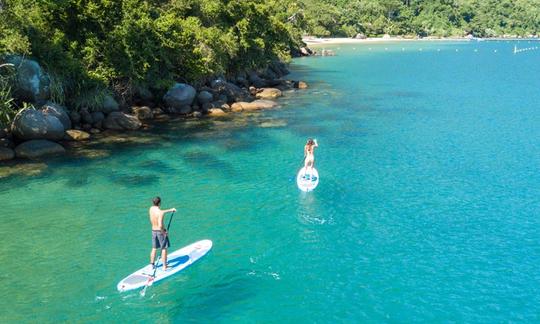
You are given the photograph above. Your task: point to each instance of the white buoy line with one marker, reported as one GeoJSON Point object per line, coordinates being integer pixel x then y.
{"type": "Point", "coordinates": [526, 49]}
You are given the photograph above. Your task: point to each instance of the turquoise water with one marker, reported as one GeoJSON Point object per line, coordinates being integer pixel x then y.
{"type": "Point", "coordinates": [427, 209]}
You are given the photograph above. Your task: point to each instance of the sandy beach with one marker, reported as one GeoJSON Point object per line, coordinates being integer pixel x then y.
{"type": "Point", "coordinates": [314, 41]}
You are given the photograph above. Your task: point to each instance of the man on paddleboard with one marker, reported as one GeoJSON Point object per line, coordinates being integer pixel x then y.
{"type": "Point", "coordinates": [160, 240]}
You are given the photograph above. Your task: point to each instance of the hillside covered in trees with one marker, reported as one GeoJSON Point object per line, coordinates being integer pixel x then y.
{"type": "Point", "coordinates": [483, 18]}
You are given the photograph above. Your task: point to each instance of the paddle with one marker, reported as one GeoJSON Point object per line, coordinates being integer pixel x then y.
{"type": "Point", "coordinates": [151, 279]}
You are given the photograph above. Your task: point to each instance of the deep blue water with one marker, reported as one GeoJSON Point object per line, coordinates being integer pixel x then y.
{"type": "Point", "coordinates": [427, 209]}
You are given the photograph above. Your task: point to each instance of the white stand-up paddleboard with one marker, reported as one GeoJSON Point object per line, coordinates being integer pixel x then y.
{"type": "Point", "coordinates": [177, 261]}
{"type": "Point", "coordinates": [307, 182]}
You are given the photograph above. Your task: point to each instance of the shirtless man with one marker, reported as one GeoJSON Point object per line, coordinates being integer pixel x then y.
{"type": "Point", "coordinates": [309, 156]}
{"type": "Point", "coordinates": [160, 240]}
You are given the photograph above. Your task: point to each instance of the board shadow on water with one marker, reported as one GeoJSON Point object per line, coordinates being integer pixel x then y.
{"type": "Point", "coordinates": [216, 300]}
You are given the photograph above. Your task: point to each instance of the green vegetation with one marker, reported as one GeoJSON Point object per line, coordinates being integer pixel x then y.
{"type": "Point", "coordinates": [91, 48]}
{"type": "Point", "coordinates": [95, 46]}
{"type": "Point", "coordinates": [482, 18]}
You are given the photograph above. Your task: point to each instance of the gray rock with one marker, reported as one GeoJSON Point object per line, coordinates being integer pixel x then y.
{"type": "Point", "coordinates": [97, 117]}
{"type": "Point", "coordinates": [229, 92]}
{"type": "Point", "coordinates": [32, 82]}
{"type": "Point", "coordinates": [143, 113]}
{"type": "Point", "coordinates": [204, 97]}
{"type": "Point", "coordinates": [37, 148]}
{"type": "Point", "coordinates": [268, 73]}
{"type": "Point", "coordinates": [256, 80]}
{"type": "Point", "coordinates": [121, 121]}
{"type": "Point", "coordinates": [144, 94]}
{"type": "Point", "coordinates": [179, 95]}
{"type": "Point", "coordinates": [86, 117]}
{"type": "Point", "coordinates": [224, 98]}
{"type": "Point", "coordinates": [6, 153]}
{"type": "Point", "coordinates": [34, 124]}
{"type": "Point", "coordinates": [109, 105]}
{"type": "Point", "coordinates": [75, 117]}
{"type": "Point", "coordinates": [6, 142]}
{"type": "Point", "coordinates": [56, 110]}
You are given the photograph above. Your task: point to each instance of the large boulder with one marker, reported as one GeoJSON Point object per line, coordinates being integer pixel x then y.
{"type": "Point", "coordinates": [33, 84]}
{"type": "Point", "coordinates": [76, 135]}
{"type": "Point", "coordinates": [37, 148]}
{"type": "Point", "coordinates": [204, 97]}
{"type": "Point", "coordinates": [179, 95]}
{"type": "Point", "coordinates": [229, 92]}
{"type": "Point", "coordinates": [254, 105]}
{"type": "Point", "coordinates": [268, 93]}
{"type": "Point", "coordinates": [54, 109]}
{"type": "Point", "coordinates": [6, 153]}
{"type": "Point", "coordinates": [256, 80]}
{"type": "Point", "coordinates": [108, 105]}
{"type": "Point", "coordinates": [120, 121]}
{"type": "Point", "coordinates": [34, 124]}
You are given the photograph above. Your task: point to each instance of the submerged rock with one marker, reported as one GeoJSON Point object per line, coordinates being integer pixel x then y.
{"type": "Point", "coordinates": [34, 124]}
{"type": "Point", "coordinates": [38, 148]}
{"type": "Point", "coordinates": [254, 105]}
{"type": "Point", "coordinates": [26, 169]}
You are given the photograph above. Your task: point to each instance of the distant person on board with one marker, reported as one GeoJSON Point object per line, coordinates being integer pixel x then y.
{"type": "Point", "coordinates": [160, 239]}
{"type": "Point", "coordinates": [309, 156]}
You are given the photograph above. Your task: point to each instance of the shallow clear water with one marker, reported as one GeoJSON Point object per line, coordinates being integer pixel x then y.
{"type": "Point", "coordinates": [427, 209]}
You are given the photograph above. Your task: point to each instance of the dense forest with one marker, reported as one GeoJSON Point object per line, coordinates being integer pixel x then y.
{"type": "Point", "coordinates": [123, 47]}
{"type": "Point", "coordinates": [482, 18]}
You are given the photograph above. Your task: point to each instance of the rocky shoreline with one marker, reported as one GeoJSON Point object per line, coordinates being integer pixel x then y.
{"type": "Point", "coordinates": [48, 128]}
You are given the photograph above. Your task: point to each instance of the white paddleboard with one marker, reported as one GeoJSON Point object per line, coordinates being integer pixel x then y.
{"type": "Point", "coordinates": [177, 261]}
{"type": "Point", "coordinates": [307, 182]}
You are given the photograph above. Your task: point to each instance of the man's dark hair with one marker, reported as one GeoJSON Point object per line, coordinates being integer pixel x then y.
{"type": "Point", "coordinates": [156, 201]}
